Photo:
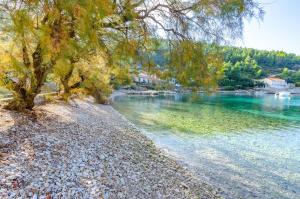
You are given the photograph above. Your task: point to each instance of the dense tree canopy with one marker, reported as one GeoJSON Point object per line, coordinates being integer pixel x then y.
{"type": "Point", "coordinates": [271, 61]}
{"type": "Point", "coordinates": [86, 43]}
{"type": "Point", "coordinates": [264, 58]}
{"type": "Point", "coordinates": [241, 66]}
{"type": "Point", "coordinates": [263, 63]}
{"type": "Point", "coordinates": [241, 74]}
{"type": "Point", "coordinates": [290, 76]}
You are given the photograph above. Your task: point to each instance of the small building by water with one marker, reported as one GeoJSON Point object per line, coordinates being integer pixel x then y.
{"type": "Point", "coordinates": [144, 78]}
{"type": "Point", "coordinates": [276, 83]}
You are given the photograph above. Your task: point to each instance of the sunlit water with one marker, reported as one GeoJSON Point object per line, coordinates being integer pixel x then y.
{"type": "Point", "coordinates": [248, 146]}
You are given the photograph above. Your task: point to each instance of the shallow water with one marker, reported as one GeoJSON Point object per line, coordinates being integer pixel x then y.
{"type": "Point", "coordinates": [248, 146]}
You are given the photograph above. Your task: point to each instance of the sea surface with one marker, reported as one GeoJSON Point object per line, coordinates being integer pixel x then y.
{"type": "Point", "coordinates": [246, 146]}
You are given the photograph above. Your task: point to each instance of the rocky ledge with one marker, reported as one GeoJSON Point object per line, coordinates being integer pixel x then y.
{"type": "Point", "coordinates": [84, 150]}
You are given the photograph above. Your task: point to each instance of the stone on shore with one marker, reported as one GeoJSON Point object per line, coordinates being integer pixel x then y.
{"type": "Point", "coordinates": [84, 150]}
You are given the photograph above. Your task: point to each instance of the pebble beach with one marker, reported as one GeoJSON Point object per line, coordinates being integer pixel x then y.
{"type": "Point", "coordinates": [85, 150]}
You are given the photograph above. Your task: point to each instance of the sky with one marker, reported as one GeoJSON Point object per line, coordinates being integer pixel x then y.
{"type": "Point", "coordinates": [279, 29]}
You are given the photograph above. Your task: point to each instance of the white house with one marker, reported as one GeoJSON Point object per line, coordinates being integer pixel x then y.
{"type": "Point", "coordinates": [145, 78]}
{"type": "Point", "coordinates": [274, 82]}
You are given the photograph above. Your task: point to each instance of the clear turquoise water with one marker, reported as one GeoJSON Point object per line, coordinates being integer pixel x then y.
{"type": "Point", "coordinates": [248, 146]}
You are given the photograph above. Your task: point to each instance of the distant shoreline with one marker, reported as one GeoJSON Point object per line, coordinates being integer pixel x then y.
{"type": "Point", "coordinates": [169, 92]}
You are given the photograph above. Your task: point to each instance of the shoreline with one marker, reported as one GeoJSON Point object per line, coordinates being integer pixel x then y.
{"type": "Point", "coordinates": [169, 92]}
{"type": "Point", "coordinates": [86, 150]}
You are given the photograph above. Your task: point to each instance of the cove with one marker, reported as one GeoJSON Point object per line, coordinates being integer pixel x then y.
{"type": "Point", "coordinates": [246, 146]}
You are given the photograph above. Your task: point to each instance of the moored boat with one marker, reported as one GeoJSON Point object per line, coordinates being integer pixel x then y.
{"type": "Point", "coordinates": [283, 94]}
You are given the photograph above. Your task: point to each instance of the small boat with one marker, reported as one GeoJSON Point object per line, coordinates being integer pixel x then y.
{"type": "Point", "coordinates": [283, 94]}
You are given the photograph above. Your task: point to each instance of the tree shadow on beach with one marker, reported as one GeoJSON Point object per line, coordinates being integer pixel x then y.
{"type": "Point", "coordinates": [26, 147]}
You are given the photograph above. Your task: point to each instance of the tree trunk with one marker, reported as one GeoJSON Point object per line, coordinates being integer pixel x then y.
{"type": "Point", "coordinates": [65, 80]}
{"type": "Point", "coordinates": [66, 89]}
{"type": "Point", "coordinates": [21, 102]}
{"type": "Point", "coordinates": [25, 94]}
{"type": "Point", "coordinates": [65, 83]}
{"type": "Point", "coordinates": [99, 96]}
{"type": "Point", "coordinates": [26, 90]}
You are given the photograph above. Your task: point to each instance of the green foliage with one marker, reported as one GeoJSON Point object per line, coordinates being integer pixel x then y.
{"type": "Point", "coordinates": [121, 77]}
{"type": "Point", "coordinates": [262, 63]}
{"type": "Point", "coordinates": [265, 59]}
{"type": "Point", "coordinates": [191, 65]}
{"type": "Point", "coordinates": [240, 66]}
{"type": "Point", "coordinates": [88, 45]}
{"type": "Point", "coordinates": [241, 74]}
{"type": "Point", "coordinates": [296, 76]}
{"type": "Point", "coordinates": [290, 76]}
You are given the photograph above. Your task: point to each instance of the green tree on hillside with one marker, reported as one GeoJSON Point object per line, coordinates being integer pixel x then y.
{"type": "Point", "coordinates": [264, 58]}
{"type": "Point", "coordinates": [240, 75]}
{"type": "Point", "coordinates": [296, 77]}
{"type": "Point", "coordinates": [290, 76]}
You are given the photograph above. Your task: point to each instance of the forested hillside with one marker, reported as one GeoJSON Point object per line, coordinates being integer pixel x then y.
{"type": "Point", "coordinates": [268, 60]}
{"type": "Point", "coordinates": [241, 66]}
{"type": "Point", "coordinates": [265, 59]}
